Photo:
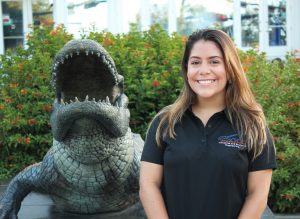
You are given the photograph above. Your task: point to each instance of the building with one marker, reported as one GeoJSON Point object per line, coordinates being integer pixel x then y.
{"type": "Point", "coordinates": [272, 26]}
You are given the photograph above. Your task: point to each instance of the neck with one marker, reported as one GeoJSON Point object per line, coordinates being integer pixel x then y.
{"type": "Point", "coordinates": [205, 108]}
{"type": "Point", "coordinates": [207, 104]}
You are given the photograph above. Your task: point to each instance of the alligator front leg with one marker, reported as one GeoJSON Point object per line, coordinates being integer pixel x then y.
{"type": "Point", "coordinates": [36, 177]}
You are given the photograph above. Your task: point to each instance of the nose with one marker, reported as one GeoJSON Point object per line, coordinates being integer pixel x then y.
{"type": "Point", "coordinates": [204, 69]}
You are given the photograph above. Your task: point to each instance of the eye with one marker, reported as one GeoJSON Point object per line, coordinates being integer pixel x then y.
{"type": "Point", "coordinates": [195, 62]}
{"type": "Point", "coordinates": [215, 61]}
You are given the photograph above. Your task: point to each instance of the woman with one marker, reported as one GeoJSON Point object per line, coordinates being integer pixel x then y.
{"type": "Point", "coordinates": [209, 155]}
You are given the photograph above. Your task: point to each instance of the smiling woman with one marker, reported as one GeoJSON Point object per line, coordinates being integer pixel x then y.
{"type": "Point", "coordinates": [206, 72]}
{"type": "Point", "coordinates": [209, 154]}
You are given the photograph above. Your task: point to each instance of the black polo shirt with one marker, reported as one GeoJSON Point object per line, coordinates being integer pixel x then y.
{"type": "Point", "coordinates": [205, 168]}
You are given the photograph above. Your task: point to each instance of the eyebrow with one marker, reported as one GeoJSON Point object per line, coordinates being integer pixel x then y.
{"type": "Point", "coordinates": [211, 57]}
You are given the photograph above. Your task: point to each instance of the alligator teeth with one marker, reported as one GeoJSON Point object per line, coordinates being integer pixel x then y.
{"type": "Point", "coordinates": [92, 52]}
{"type": "Point", "coordinates": [107, 100]}
{"type": "Point", "coordinates": [77, 52]}
{"type": "Point", "coordinates": [62, 61]}
{"type": "Point", "coordinates": [76, 99]}
{"type": "Point", "coordinates": [103, 59]}
{"type": "Point", "coordinates": [87, 53]}
{"type": "Point", "coordinates": [94, 99]}
{"type": "Point", "coordinates": [62, 102]}
{"type": "Point", "coordinates": [71, 55]}
{"type": "Point", "coordinates": [98, 54]}
{"type": "Point", "coordinates": [67, 56]}
{"type": "Point", "coordinates": [87, 97]}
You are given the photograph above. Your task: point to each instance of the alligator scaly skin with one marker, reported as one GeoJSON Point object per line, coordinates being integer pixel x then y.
{"type": "Point", "coordinates": [93, 165]}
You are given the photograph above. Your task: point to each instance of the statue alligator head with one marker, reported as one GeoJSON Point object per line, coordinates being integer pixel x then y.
{"type": "Point", "coordinates": [90, 103]}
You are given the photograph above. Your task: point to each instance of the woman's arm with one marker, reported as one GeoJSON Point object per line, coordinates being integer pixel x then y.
{"type": "Point", "coordinates": [150, 180]}
{"type": "Point", "coordinates": [258, 186]}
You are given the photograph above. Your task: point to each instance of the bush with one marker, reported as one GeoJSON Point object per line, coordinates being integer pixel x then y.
{"type": "Point", "coordinates": [276, 87]}
{"type": "Point", "coordinates": [150, 64]}
{"type": "Point", "coordinates": [26, 98]}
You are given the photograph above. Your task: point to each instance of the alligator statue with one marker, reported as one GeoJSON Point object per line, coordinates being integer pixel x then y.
{"type": "Point", "coordinates": [93, 165]}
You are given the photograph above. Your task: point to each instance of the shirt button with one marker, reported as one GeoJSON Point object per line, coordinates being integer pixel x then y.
{"type": "Point", "coordinates": [203, 140]}
{"type": "Point", "coordinates": [209, 125]}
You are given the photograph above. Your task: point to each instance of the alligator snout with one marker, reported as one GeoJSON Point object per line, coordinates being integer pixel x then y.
{"type": "Point", "coordinates": [87, 85]}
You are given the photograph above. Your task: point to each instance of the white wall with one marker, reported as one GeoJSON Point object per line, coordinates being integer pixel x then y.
{"type": "Point", "coordinates": [295, 27]}
{"type": "Point", "coordinates": [1, 31]}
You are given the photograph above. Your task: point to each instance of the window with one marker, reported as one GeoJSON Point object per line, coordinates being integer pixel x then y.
{"type": "Point", "coordinates": [249, 22]}
{"type": "Point", "coordinates": [12, 24]}
{"type": "Point", "coordinates": [199, 14]}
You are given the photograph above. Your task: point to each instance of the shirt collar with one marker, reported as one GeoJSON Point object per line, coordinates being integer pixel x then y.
{"type": "Point", "coordinates": [224, 112]}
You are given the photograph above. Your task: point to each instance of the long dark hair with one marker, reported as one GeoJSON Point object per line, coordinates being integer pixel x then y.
{"type": "Point", "coordinates": [244, 113]}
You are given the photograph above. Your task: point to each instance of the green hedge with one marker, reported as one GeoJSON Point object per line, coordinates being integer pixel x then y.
{"type": "Point", "coordinates": [150, 63]}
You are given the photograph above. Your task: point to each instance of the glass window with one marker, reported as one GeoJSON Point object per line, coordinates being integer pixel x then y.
{"type": "Point", "coordinates": [277, 22]}
{"type": "Point", "coordinates": [12, 24]}
{"type": "Point", "coordinates": [199, 14]}
{"type": "Point", "coordinates": [42, 11]}
{"type": "Point", "coordinates": [249, 22]}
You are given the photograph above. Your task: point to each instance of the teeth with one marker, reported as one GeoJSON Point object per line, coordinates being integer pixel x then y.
{"type": "Point", "coordinates": [62, 61]}
{"type": "Point", "coordinates": [67, 56]}
{"type": "Point", "coordinates": [92, 52]}
{"type": "Point", "coordinates": [77, 52]}
{"type": "Point", "coordinates": [87, 53]}
{"type": "Point", "coordinates": [107, 99]}
{"type": "Point", "coordinates": [71, 55]}
{"type": "Point", "coordinates": [205, 81]}
{"type": "Point", "coordinates": [98, 54]}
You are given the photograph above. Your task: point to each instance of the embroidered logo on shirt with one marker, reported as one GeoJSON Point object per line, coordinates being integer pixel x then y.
{"type": "Point", "coordinates": [231, 141]}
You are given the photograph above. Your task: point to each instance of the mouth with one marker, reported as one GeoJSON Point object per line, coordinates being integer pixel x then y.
{"type": "Point", "coordinates": [83, 70]}
{"type": "Point", "coordinates": [206, 81]}
{"type": "Point", "coordinates": [87, 86]}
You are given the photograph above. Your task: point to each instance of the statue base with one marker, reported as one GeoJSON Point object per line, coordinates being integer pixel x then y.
{"type": "Point", "coordinates": [39, 206]}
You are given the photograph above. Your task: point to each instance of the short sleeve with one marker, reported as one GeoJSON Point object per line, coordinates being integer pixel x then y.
{"type": "Point", "coordinates": [152, 152]}
{"type": "Point", "coordinates": [267, 159]}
